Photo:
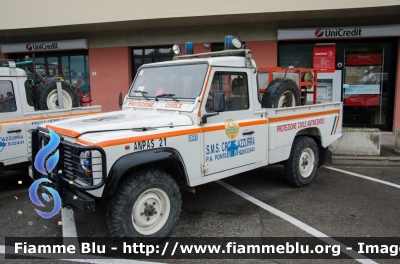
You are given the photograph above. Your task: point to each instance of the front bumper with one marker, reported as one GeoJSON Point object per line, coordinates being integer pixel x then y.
{"type": "Point", "coordinates": [69, 178]}
{"type": "Point", "coordinates": [74, 198]}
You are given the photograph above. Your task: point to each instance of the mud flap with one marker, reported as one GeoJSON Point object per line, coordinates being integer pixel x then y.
{"type": "Point", "coordinates": [1, 168]}
{"type": "Point", "coordinates": [325, 156]}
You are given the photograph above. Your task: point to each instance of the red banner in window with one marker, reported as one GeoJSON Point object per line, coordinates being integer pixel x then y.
{"type": "Point", "coordinates": [364, 59]}
{"type": "Point", "coordinates": [324, 58]}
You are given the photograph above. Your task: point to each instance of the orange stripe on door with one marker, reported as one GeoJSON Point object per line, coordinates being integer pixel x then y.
{"type": "Point", "coordinates": [12, 121]}
{"type": "Point", "coordinates": [214, 128]}
{"type": "Point", "coordinates": [251, 123]}
{"type": "Point", "coordinates": [129, 140]}
{"type": "Point", "coordinates": [277, 119]}
{"type": "Point", "coordinates": [241, 124]}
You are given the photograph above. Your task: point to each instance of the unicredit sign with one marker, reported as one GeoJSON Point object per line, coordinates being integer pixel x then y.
{"type": "Point", "coordinates": [339, 33]}
{"type": "Point", "coordinates": [320, 33]}
{"type": "Point", "coordinates": [44, 46]}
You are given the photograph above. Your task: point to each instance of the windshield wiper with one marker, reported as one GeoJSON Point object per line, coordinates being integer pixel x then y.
{"type": "Point", "coordinates": [166, 95]}
{"type": "Point", "coordinates": [143, 93]}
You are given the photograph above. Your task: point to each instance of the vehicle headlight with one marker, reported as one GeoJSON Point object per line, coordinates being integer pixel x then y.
{"type": "Point", "coordinates": [44, 142]}
{"type": "Point", "coordinates": [85, 159]}
{"type": "Point", "coordinates": [237, 43]}
{"type": "Point", "coordinates": [176, 49]}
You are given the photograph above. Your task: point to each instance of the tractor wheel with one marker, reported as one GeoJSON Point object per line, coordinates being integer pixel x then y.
{"type": "Point", "coordinates": [48, 96]}
{"type": "Point", "coordinates": [145, 206]}
{"type": "Point", "coordinates": [281, 93]}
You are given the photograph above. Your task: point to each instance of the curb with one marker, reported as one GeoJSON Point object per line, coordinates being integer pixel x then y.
{"type": "Point", "coordinates": [366, 160]}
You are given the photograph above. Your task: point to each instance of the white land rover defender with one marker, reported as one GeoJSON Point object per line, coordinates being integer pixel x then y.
{"type": "Point", "coordinates": [190, 121]}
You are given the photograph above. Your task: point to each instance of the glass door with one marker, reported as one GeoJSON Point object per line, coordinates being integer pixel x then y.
{"type": "Point", "coordinates": [364, 94]}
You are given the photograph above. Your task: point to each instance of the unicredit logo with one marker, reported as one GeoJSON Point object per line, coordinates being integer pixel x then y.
{"type": "Point", "coordinates": [319, 33]}
{"type": "Point", "coordinates": [338, 32]}
{"type": "Point", "coordinates": [42, 46]}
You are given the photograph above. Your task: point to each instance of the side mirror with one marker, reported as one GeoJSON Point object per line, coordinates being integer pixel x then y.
{"type": "Point", "coordinates": [120, 100]}
{"type": "Point", "coordinates": [219, 106]}
{"type": "Point", "coordinates": [219, 101]}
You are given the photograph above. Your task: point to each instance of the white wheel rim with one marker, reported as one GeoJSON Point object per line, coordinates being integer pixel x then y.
{"type": "Point", "coordinates": [284, 99]}
{"type": "Point", "coordinates": [150, 211]}
{"type": "Point", "coordinates": [52, 98]}
{"type": "Point", "coordinates": [306, 164]}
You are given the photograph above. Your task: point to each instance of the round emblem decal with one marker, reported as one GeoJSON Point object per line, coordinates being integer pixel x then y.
{"type": "Point", "coordinates": [231, 128]}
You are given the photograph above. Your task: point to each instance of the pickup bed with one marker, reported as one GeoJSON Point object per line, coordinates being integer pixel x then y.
{"type": "Point", "coordinates": [184, 122]}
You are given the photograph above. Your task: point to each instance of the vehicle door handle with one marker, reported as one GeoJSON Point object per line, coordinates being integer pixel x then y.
{"type": "Point", "coordinates": [248, 133]}
{"type": "Point", "coordinates": [14, 131]}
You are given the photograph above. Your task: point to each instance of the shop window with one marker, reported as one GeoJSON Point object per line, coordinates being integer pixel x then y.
{"type": "Point", "coordinates": [73, 65]}
{"type": "Point", "coordinates": [217, 46]}
{"type": "Point", "coordinates": [296, 55]}
{"type": "Point", "coordinates": [234, 86]}
{"type": "Point", "coordinates": [142, 56]}
{"type": "Point", "coordinates": [7, 98]}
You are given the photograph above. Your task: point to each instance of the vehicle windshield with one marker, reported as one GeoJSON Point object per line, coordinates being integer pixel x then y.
{"type": "Point", "coordinates": [180, 81]}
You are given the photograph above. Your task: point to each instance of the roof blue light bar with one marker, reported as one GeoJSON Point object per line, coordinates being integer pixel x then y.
{"type": "Point", "coordinates": [189, 48]}
{"type": "Point", "coordinates": [228, 42]}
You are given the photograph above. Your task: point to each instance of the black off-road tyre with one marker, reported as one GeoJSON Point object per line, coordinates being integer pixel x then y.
{"type": "Point", "coordinates": [279, 91]}
{"type": "Point", "coordinates": [48, 97]}
{"type": "Point", "coordinates": [144, 192]}
{"type": "Point", "coordinates": [302, 164]}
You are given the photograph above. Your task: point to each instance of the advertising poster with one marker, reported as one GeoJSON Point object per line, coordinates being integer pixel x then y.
{"type": "Point", "coordinates": [362, 85]}
{"type": "Point", "coordinates": [362, 80]}
{"type": "Point", "coordinates": [324, 58]}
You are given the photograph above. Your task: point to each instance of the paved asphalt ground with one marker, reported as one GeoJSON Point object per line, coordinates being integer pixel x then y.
{"type": "Point", "coordinates": [336, 203]}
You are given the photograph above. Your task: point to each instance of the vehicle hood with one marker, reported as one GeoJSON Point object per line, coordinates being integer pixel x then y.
{"type": "Point", "coordinates": [118, 121]}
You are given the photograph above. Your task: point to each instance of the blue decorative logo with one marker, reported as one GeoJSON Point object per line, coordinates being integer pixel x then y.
{"type": "Point", "coordinates": [43, 168]}
{"type": "Point", "coordinates": [2, 144]}
{"type": "Point", "coordinates": [46, 151]}
{"type": "Point", "coordinates": [35, 198]}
